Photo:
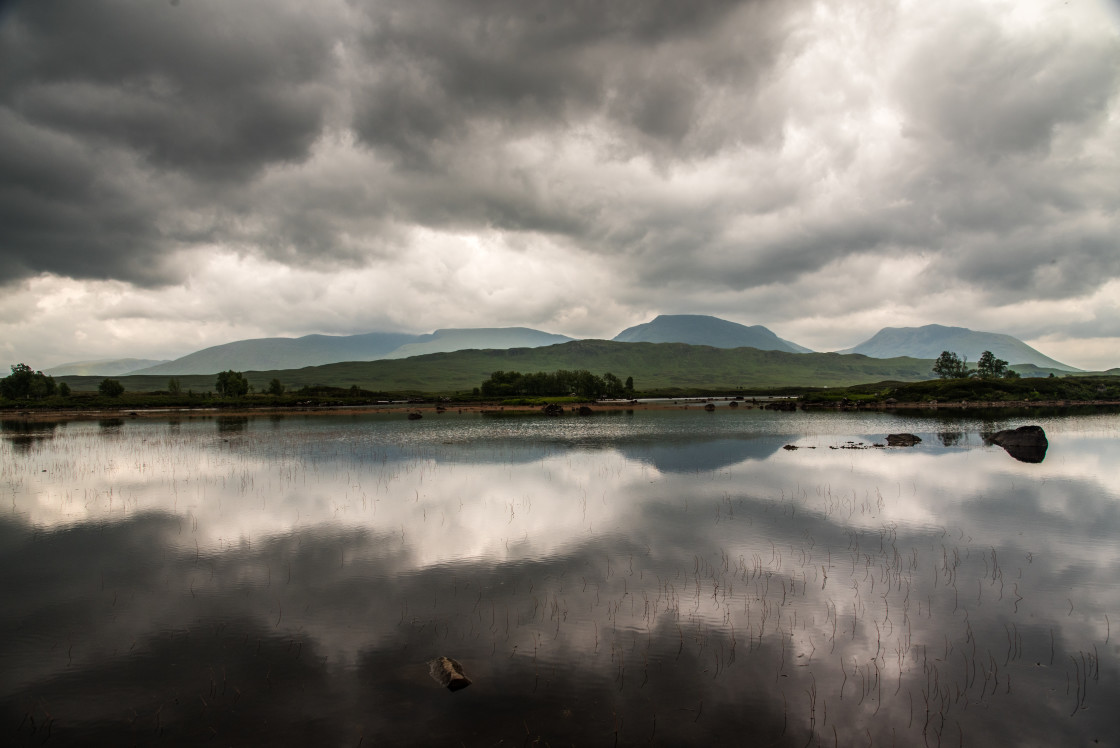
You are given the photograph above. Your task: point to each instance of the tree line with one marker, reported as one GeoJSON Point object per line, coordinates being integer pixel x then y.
{"type": "Point", "coordinates": [580, 383]}
{"type": "Point", "coordinates": [26, 384]}
{"type": "Point", "coordinates": [951, 366]}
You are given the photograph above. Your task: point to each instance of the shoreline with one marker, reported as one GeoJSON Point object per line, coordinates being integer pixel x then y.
{"type": "Point", "coordinates": [569, 409]}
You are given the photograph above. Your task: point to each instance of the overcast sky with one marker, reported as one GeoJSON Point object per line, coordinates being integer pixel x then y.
{"type": "Point", "coordinates": [176, 174]}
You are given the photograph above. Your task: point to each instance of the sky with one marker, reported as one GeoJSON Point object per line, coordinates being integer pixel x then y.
{"type": "Point", "coordinates": [185, 173]}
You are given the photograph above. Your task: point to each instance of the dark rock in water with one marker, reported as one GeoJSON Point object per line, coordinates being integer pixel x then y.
{"type": "Point", "coordinates": [781, 405]}
{"type": "Point", "coordinates": [710, 407]}
{"type": "Point", "coordinates": [902, 440]}
{"type": "Point", "coordinates": [1025, 444]}
{"type": "Point", "coordinates": [448, 673]}
{"type": "Point", "coordinates": [552, 409]}
{"type": "Point", "coordinates": [733, 404]}
{"type": "Point", "coordinates": [790, 447]}
{"type": "Point", "coordinates": [585, 411]}
{"type": "Point", "coordinates": [414, 416]}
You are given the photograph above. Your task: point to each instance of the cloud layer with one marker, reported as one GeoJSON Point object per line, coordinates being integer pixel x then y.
{"type": "Point", "coordinates": [825, 169]}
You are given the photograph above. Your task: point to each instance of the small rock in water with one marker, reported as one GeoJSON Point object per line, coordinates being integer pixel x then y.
{"type": "Point", "coordinates": [448, 673]}
{"type": "Point", "coordinates": [902, 440]}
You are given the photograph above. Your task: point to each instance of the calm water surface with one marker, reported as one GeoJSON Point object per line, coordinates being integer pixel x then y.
{"type": "Point", "coordinates": [658, 578]}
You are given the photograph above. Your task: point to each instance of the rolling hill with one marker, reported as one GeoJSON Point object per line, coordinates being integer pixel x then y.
{"type": "Point", "coordinates": [653, 365]}
{"type": "Point", "coordinates": [460, 339]}
{"type": "Point", "coordinates": [929, 341]}
{"type": "Point", "coordinates": [284, 353]}
{"type": "Point", "coordinates": [106, 367]}
{"type": "Point", "coordinates": [259, 354]}
{"type": "Point", "coordinates": [701, 329]}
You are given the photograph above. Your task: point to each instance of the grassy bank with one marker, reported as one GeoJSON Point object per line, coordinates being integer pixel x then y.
{"type": "Point", "coordinates": [1040, 390]}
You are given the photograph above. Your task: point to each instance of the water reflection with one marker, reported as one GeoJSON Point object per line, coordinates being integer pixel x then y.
{"type": "Point", "coordinates": [22, 434]}
{"type": "Point", "coordinates": [950, 438]}
{"type": "Point", "coordinates": [231, 424]}
{"type": "Point", "coordinates": [289, 586]}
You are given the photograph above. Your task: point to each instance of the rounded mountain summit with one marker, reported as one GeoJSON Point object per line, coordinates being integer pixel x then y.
{"type": "Point", "coordinates": [701, 329]}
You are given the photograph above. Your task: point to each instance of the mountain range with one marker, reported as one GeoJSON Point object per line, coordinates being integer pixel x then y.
{"type": "Point", "coordinates": [274, 354]}
{"type": "Point", "coordinates": [929, 341]}
{"type": "Point", "coordinates": [662, 366]}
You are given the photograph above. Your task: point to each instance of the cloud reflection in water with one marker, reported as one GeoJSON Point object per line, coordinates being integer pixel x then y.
{"type": "Point", "coordinates": [288, 581]}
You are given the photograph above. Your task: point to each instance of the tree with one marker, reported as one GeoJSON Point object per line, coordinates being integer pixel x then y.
{"type": "Point", "coordinates": [612, 386]}
{"type": "Point", "coordinates": [174, 387]}
{"type": "Point", "coordinates": [275, 388]}
{"type": "Point", "coordinates": [231, 384]}
{"type": "Point", "coordinates": [990, 367]}
{"type": "Point", "coordinates": [25, 384]}
{"type": "Point", "coordinates": [629, 386]}
{"type": "Point", "coordinates": [64, 389]}
{"type": "Point", "coordinates": [110, 388]}
{"type": "Point", "coordinates": [950, 366]}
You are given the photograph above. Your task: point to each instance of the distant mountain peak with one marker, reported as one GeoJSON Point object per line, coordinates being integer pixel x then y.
{"type": "Point", "coordinates": [928, 341]}
{"type": "Point", "coordinates": [703, 329]}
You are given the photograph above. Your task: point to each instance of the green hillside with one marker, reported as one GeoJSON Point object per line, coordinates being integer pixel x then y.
{"type": "Point", "coordinates": [658, 366]}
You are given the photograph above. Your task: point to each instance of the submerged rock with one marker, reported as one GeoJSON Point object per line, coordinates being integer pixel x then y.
{"type": "Point", "coordinates": [552, 409]}
{"type": "Point", "coordinates": [1025, 444]}
{"type": "Point", "coordinates": [448, 673]}
{"type": "Point", "coordinates": [414, 416]}
{"type": "Point", "coordinates": [902, 440]}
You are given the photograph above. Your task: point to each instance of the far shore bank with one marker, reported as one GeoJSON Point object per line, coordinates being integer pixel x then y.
{"type": "Point", "coordinates": [569, 409]}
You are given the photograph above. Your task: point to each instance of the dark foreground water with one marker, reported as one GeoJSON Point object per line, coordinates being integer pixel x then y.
{"type": "Point", "coordinates": [661, 578]}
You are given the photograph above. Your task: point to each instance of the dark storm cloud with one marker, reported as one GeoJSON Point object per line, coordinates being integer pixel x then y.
{"type": "Point", "coordinates": [720, 144]}
{"type": "Point", "coordinates": [204, 88]}
{"type": "Point", "coordinates": [113, 114]}
{"type": "Point", "coordinates": [445, 70]}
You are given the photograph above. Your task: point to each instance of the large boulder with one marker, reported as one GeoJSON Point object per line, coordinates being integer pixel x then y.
{"type": "Point", "coordinates": [1026, 443]}
{"type": "Point", "coordinates": [902, 440]}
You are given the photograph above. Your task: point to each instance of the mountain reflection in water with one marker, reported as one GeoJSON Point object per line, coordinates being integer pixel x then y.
{"type": "Point", "coordinates": [665, 578]}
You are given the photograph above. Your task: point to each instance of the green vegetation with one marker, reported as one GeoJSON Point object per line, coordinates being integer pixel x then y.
{"type": "Point", "coordinates": [990, 367]}
{"type": "Point", "coordinates": [580, 383]}
{"type": "Point", "coordinates": [951, 366]}
{"type": "Point", "coordinates": [1047, 389]}
{"type": "Point", "coordinates": [25, 384]}
{"type": "Point", "coordinates": [666, 369]}
{"type": "Point", "coordinates": [110, 388]}
{"type": "Point", "coordinates": [232, 384]}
